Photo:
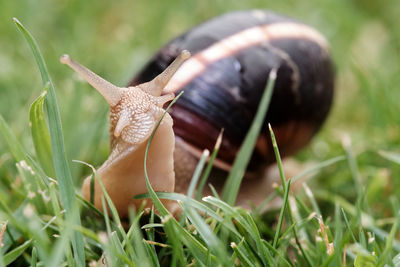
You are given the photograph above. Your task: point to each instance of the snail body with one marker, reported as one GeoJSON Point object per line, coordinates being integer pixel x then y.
{"type": "Point", "coordinates": [223, 83]}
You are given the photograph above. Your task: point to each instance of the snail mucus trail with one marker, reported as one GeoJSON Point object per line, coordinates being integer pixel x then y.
{"type": "Point", "coordinates": [223, 83]}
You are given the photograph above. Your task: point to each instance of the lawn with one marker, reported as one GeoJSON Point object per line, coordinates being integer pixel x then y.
{"type": "Point", "coordinates": [346, 213]}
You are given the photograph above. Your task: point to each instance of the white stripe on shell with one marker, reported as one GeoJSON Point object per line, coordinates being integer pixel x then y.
{"type": "Point", "coordinates": [195, 65]}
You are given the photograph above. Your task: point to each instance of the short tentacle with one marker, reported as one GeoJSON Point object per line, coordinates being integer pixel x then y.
{"type": "Point", "coordinates": [123, 121]}
{"type": "Point", "coordinates": [161, 100]}
{"type": "Point", "coordinates": [155, 86]}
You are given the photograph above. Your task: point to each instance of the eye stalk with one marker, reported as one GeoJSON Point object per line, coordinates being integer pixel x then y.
{"type": "Point", "coordinates": [111, 93]}
{"type": "Point", "coordinates": [155, 86]}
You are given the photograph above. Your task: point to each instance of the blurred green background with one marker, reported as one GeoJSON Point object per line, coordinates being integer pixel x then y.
{"type": "Point", "coordinates": [115, 38]}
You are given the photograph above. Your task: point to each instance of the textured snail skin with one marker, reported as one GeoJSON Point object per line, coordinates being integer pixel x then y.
{"type": "Point", "coordinates": [223, 82]}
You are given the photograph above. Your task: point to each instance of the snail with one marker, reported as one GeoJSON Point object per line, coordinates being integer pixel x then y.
{"type": "Point", "coordinates": [223, 80]}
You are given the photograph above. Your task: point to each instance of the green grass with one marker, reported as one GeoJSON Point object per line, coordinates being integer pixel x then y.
{"type": "Point", "coordinates": [346, 212]}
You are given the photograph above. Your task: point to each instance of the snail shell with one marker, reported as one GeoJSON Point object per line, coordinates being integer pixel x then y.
{"type": "Point", "coordinates": [224, 80]}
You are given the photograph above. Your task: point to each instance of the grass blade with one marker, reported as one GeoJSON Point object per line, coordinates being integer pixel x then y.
{"type": "Point", "coordinates": [244, 226]}
{"type": "Point", "coordinates": [392, 156]}
{"type": "Point", "coordinates": [367, 221]}
{"type": "Point", "coordinates": [318, 167]}
{"type": "Point", "coordinates": [13, 145]}
{"type": "Point", "coordinates": [389, 243]}
{"type": "Point", "coordinates": [312, 199]}
{"type": "Point", "coordinates": [282, 213]}
{"type": "Point", "coordinates": [34, 257]}
{"type": "Point", "coordinates": [19, 153]}
{"type": "Point", "coordinates": [263, 252]}
{"type": "Point", "coordinates": [61, 247]}
{"type": "Point", "coordinates": [134, 242]}
{"type": "Point", "coordinates": [204, 230]}
{"type": "Point", "coordinates": [15, 253]}
{"type": "Point", "coordinates": [278, 157]}
{"type": "Point", "coordinates": [161, 208]}
{"type": "Point", "coordinates": [213, 243]}
{"type": "Point", "coordinates": [197, 172]}
{"type": "Point", "coordinates": [152, 254]}
{"type": "Point", "coordinates": [40, 133]}
{"type": "Point", "coordinates": [353, 165]}
{"type": "Point", "coordinates": [286, 187]}
{"type": "Point", "coordinates": [209, 167]}
{"type": "Point", "coordinates": [60, 162]}
{"type": "Point", "coordinates": [171, 225]}
{"type": "Point", "coordinates": [195, 204]}
{"type": "Point", "coordinates": [244, 260]}
{"type": "Point", "coordinates": [232, 184]}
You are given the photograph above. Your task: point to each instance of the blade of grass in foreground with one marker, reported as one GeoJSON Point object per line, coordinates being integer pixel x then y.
{"type": "Point", "coordinates": [210, 164]}
{"type": "Point", "coordinates": [318, 167]}
{"type": "Point", "coordinates": [157, 202]}
{"type": "Point", "coordinates": [194, 204]}
{"type": "Point", "coordinates": [40, 133]}
{"type": "Point", "coordinates": [367, 220]}
{"type": "Point", "coordinates": [57, 144]}
{"type": "Point", "coordinates": [286, 202]}
{"type": "Point", "coordinates": [389, 243]}
{"type": "Point", "coordinates": [282, 213]}
{"type": "Point", "coordinates": [15, 253]}
{"type": "Point", "coordinates": [13, 145]}
{"type": "Point", "coordinates": [199, 251]}
{"type": "Point", "coordinates": [127, 245]}
{"type": "Point", "coordinates": [232, 184]}
{"type": "Point", "coordinates": [285, 186]}
{"type": "Point", "coordinates": [17, 150]}
{"type": "Point", "coordinates": [201, 226]}
{"type": "Point", "coordinates": [197, 172]}
{"type": "Point", "coordinates": [392, 156]}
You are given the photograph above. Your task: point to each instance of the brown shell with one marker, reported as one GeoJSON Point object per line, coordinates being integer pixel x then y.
{"type": "Point", "coordinates": [224, 81]}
